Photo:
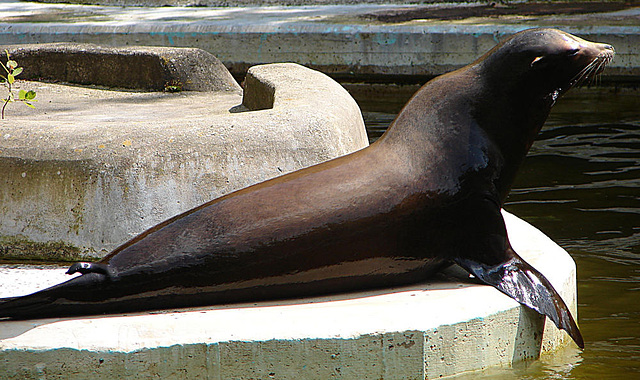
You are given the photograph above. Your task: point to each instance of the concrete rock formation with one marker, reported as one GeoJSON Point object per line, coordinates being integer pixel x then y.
{"type": "Point", "coordinates": [136, 68]}
{"type": "Point", "coordinates": [90, 168]}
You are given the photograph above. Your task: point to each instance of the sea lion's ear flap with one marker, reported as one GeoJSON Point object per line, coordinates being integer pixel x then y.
{"type": "Point", "coordinates": [537, 60]}
{"type": "Point", "coordinates": [520, 281]}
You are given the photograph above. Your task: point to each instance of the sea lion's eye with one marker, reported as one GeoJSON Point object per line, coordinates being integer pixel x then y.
{"type": "Point", "coordinates": [572, 52]}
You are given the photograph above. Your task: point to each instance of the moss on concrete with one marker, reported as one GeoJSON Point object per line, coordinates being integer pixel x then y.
{"type": "Point", "coordinates": [20, 248]}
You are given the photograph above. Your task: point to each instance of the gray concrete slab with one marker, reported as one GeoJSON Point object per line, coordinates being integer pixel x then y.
{"type": "Point", "coordinates": [430, 330]}
{"type": "Point", "coordinates": [349, 41]}
{"type": "Point", "coordinates": [90, 168]}
{"type": "Point", "coordinates": [135, 68]}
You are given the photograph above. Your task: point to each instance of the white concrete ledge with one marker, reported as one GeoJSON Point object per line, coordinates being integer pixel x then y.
{"type": "Point", "coordinates": [441, 328]}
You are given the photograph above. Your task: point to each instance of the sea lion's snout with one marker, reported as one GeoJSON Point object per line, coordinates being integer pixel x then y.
{"type": "Point", "coordinates": [594, 50]}
{"type": "Point", "coordinates": [606, 51]}
{"type": "Point", "coordinates": [584, 52]}
{"type": "Point", "coordinates": [608, 48]}
{"type": "Point", "coordinates": [590, 60]}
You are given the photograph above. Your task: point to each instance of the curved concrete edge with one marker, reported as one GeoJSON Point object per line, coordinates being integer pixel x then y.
{"type": "Point", "coordinates": [440, 328]}
{"type": "Point", "coordinates": [275, 87]}
{"type": "Point", "coordinates": [143, 68]}
{"type": "Point", "coordinates": [89, 169]}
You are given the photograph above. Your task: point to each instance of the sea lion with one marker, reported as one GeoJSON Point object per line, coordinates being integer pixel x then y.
{"type": "Point", "coordinates": [427, 194]}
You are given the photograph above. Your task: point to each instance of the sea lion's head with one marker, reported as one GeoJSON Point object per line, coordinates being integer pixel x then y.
{"type": "Point", "coordinates": [546, 63]}
{"type": "Point", "coordinates": [519, 81]}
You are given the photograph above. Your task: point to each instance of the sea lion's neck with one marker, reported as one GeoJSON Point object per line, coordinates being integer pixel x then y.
{"type": "Point", "coordinates": [512, 112]}
{"type": "Point", "coordinates": [474, 119]}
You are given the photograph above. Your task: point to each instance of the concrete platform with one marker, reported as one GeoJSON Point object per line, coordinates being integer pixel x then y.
{"type": "Point", "coordinates": [346, 41]}
{"type": "Point", "coordinates": [431, 330]}
{"type": "Point", "coordinates": [89, 168]}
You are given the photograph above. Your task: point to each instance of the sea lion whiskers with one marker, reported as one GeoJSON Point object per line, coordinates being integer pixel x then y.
{"type": "Point", "coordinates": [605, 58]}
{"type": "Point", "coordinates": [590, 72]}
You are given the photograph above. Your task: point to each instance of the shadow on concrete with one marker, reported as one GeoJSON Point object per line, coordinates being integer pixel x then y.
{"type": "Point", "coordinates": [239, 109]}
{"type": "Point", "coordinates": [528, 340]}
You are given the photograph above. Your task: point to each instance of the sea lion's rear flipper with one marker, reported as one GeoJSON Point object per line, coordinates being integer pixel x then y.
{"type": "Point", "coordinates": [520, 281]}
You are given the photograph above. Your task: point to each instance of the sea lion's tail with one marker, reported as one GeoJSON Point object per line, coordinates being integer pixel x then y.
{"type": "Point", "coordinates": [58, 300]}
{"type": "Point", "coordinates": [30, 306]}
{"type": "Point", "coordinates": [520, 281]}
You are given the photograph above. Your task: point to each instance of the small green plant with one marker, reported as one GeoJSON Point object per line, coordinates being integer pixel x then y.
{"type": "Point", "coordinates": [12, 69]}
{"type": "Point", "coordinates": [173, 85]}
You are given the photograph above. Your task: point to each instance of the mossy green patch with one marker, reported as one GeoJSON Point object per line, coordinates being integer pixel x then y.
{"type": "Point", "coordinates": [19, 248]}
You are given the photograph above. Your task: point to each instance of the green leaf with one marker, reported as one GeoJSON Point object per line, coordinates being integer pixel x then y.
{"type": "Point", "coordinates": [17, 71]}
{"type": "Point", "coordinates": [29, 105]}
{"type": "Point", "coordinates": [31, 95]}
{"type": "Point", "coordinates": [12, 64]}
{"type": "Point", "coordinates": [10, 78]}
{"type": "Point", "coordinates": [22, 95]}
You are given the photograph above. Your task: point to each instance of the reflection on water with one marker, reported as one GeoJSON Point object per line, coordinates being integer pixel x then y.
{"type": "Point", "coordinates": [580, 184]}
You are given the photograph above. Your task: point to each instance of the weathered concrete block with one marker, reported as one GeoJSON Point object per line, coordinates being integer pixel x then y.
{"type": "Point", "coordinates": [88, 168]}
{"type": "Point", "coordinates": [141, 68]}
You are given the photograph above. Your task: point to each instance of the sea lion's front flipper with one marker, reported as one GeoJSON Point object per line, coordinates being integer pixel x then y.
{"type": "Point", "coordinates": [520, 281]}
